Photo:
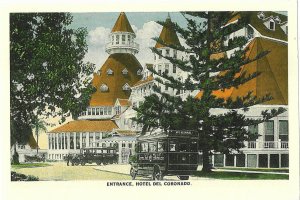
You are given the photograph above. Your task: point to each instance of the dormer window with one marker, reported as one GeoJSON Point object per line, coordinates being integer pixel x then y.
{"type": "Point", "coordinates": [109, 72]}
{"type": "Point", "coordinates": [261, 15]}
{"type": "Point", "coordinates": [126, 87]}
{"type": "Point", "coordinates": [272, 25]}
{"type": "Point", "coordinates": [124, 71]}
{"type": "Point", "coordinates": [139, 72]}
{"type": "Point", "coordinates": [104, 88]}
{"type": "Point", "coordinates": [278, 20]}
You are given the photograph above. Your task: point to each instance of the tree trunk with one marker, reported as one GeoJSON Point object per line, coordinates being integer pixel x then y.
{"type": "Point", "coordinates": [15, 156]}
{"type": "Point", "coordinates": [206, 165]}
{"type": "Point", "coordinates": [37, 140]}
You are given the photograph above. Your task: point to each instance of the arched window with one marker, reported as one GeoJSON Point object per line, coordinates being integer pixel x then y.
{"type": "Point", "coordinates": [124, 71]}
{"type": "Point", "coordinates": [139, 72]}
{"type": "Point", "coordinates": [109, 72]}
{"type": "Point", "coordinates": [261, 15]}
{"type": "Point", "coordinates": [126, 87]}
{"type": "Point", "coordinates": [104, 88]}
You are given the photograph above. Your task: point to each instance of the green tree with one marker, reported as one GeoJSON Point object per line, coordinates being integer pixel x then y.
{"type": "Point", "coordinates": [48, 76]}
{"type": "Point", "coordinates": [205, 36]}
{"type": "Point", "coordinates": [38, 125]}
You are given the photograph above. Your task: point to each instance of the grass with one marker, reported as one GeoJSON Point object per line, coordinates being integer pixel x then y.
{"type": "Point", "coordinates": [30, 165]}
{"type": "Point", "coordinates": [255, 169]}
{"type": "Point", "coordinates": [241, 176]}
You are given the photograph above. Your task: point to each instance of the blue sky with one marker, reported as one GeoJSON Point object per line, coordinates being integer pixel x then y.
{"type": "Point", "coordinates": [143, 23]}
{"type": "Point", "coordinates": [99, 26]}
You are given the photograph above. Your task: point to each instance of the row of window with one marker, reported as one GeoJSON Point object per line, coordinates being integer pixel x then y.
{"type": "Point", "coordinates": [166, 52]}
{"type": "Point", "coordinates": [166, 68]}
{"type": "Point", "coordinates": [121, 39]}
{"type": "Point", "coordinates": [97, 111]}
{"type": "Point", "coordinates": [269, 130]}
{"type": "Point", "coordinates": [105, 88]}
{"type": "Point", "coordinates": [124, 71]}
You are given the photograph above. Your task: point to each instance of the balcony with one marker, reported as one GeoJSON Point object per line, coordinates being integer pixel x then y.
{"type": "Point", "coordinates": [109, 47]}
{"type": "Point", "coordinates": [266, 144]}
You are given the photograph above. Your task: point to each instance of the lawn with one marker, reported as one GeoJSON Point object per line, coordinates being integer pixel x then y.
{"type": "Point", "coordinates": [241, 176]}
{"type": "Point", "coordinates": [255, 169]}
{"type": "Point", "coordinates": [30, 165]}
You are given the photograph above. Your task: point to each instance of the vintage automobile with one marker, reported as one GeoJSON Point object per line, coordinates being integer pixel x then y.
{"type": "Point", "coordinates": [98, 155]}
{"type": "Point", "coordinates": [35, 158]}
{"type": "Point", "coordinates": [166, 153]}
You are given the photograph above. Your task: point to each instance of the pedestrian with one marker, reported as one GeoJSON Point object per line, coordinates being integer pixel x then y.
{"type": "Point", "coordinates": [68, 159]}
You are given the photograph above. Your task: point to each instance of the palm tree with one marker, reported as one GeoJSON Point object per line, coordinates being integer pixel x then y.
{"type": "Point", "coordinates": [38, 125]}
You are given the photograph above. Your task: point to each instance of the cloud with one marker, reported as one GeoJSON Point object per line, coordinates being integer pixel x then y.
{"type": "Point", "coordinates": [143, 38]}
{"type": "Point", "coordinates": [98, 37]}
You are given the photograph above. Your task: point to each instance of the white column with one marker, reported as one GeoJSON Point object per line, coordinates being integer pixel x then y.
{"type": "Point", "coordinates": [257, 160]}
{"type": "Point", "coordinates": [68, 142]}
{"type": "Point", "coordinates": [269, 160]}
{"type": "Point", "coordinates": [213, 159]}
{"type": "Point", "coordinates": [80, 140]}
{"type": "Point", "coordinates": [246, 160]}
{"type": "Point", "coordinates": [74, 140]}
{"type": "Point", "coordinates": [56, 136]}
{"type": "Point", "coordinates": [224, 160]}
{"type": "Point", "coordinates": [234, 160]}
{"type": "Point", "coordinates": [88, 139]}
{"type": "Point", "coordinates": [94, 139]}
{"type": "Point", "coordinates": [101, 135]}
{"type": "Point", "coordinates": [279, 160]}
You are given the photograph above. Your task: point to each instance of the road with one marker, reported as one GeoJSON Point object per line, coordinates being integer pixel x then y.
{"type": "Point", "coordinates": [61, 172]}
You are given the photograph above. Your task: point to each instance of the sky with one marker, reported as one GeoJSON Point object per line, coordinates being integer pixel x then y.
{"type": "Point", "coordinates": [99, 26]}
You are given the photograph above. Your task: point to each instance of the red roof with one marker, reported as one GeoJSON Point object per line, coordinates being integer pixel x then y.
{"type": "Point", "coordinates": [116, 62]}
{"type": "Point", "coordinates": [274, 73]}
{"type": "Point", "coordinates": [86, 126]}
{"type": "Point", "coordinates": [168, 35]}
{"type": "Point", "coordinates": [122, 24]}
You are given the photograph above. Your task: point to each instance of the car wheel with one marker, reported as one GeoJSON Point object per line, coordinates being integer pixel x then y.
{"type": "Point", "coordinates": [157, 175]}
{"type": "Point", "coordinates": [133, 173]}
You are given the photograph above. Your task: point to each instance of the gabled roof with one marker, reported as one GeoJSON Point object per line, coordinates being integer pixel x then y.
{"type": "Point", "coordinates": [258, 24]}
{"type": "Point", "coordinates": [125, 132]}
{"type": "Point", "coordinates": [146, 80]}
{"type": "Point", "coordinates": [274, 73]}
{"type": "Point", "coordinates": [86, 126]}
{"type": "Point", "coordinates": [122, 24]}
{"type": "Point", "coordinates": [117, 62]}
{"type": "Point", "coordinates": [123, 102]}
{"type": "Point", "coordinates": [168, 35]}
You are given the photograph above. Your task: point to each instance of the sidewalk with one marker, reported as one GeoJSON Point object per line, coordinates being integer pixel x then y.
{"type": "Point", "coordinates": [244, 171]}
{"type": "Point", "coordinates": [119, 169]}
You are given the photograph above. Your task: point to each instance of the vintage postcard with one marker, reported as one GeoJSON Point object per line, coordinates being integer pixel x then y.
{"type": "Point", "coordinates": [125, 103]}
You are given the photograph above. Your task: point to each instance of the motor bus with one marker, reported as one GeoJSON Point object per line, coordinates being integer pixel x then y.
{"type": "Point", "coordinates": [98, 155]}
{"type": "Point", "coordinates": [166, 153]}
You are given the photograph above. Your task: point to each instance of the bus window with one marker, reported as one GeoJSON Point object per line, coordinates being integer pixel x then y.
{"type": "Point", "coordinates": [183, 147]}
{"type": "Point", "coordinates": [144, 147]}
{"type": "Point", "coordinates": [173, 147]}
{"type": "Point", "coordinates": [160, 146]}
{"type": "Point", "coordinates": [152, 147]}
{"type": "Point", "coordinates": [98, 151]}
{"type": "Point", "coordinates": [194, 146]}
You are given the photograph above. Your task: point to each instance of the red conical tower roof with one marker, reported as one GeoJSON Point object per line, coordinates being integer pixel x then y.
{"type": "Point", "coordinates": [122, 24]}
{"type": "Point", "coordinates": [168, 34]}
